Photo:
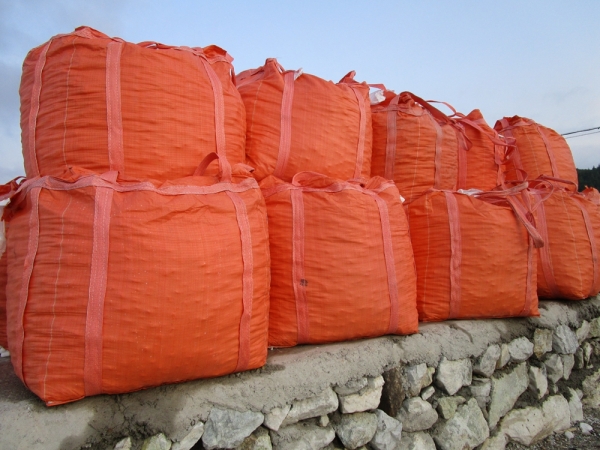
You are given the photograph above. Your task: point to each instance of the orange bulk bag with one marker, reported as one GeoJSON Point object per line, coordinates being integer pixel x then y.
{"type": "Point", "coordinates": [539, 151]}
{"type": "Point", "coordinates": [115, 286]}
{"type": "Point", "coordinates": [148, 111]}
{"type": "Point", "coordinates": [3, 336]}
{"type": "Point", "coordinates": [341, 261]}
{"type": "Point", "coordinates": [473, 254]}
{"type": "Point", "coordinates": [415, 145]}
{"type": "Point", "coordinates": [299, 122]}
{"type": "Point", "coordinates": [568, 265]}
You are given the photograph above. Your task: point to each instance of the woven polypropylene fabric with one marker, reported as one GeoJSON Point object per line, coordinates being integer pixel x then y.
{"type": "Point", "coordinates": [163, 112]}
{"type": "Point", "coordinates": [175, 280]}
{"type": "Point", "coordinates": [494, 259]}
{"type": "Point", "coordinates": [345, 276]}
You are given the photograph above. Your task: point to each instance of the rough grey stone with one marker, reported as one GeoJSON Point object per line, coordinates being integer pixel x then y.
{"type": "Point", "coordinates": [427, 393]}
{"type": "Point", "coordinates": [568, 364]}
{"type": "Point", "coordinates": [486, 364]}
{"type": "Point", "coordinates": [579, 359]}
{"type": "Point", "coordinates": [564, 341]}
{"type": "Point", "coordinates": [452, 375]}
{"type": "Point", "coordinates": [302, 436]}
{"type": "Point", "coordinates": [520, 349]}
{"type": "Point", "coordinates": [585, 428]}
{"type": "Point", "coordinates": [480, 390]}
{"type": "Point", "coordinates": [355, 430]}
{"type": "Point", "coordinates": [505, 392]}
{"type": "Point", "coordinates": [591, 390]}
{"type": "Point", "coordinates": [583, 331]}
{"type": "Point", "coordinates": [417, 441]}
{"type": "Point", "coordinates": [417, 415]}
{"type": "Point", "coordinates": [226, 428]}
{"type": "Point", "coordinates": [364, 400]}
{"type": "Point", "coordinates": [466, 429]}
{"type": "Point", "coordinates": [447, 406]}
{"type": "Point", "coordinates": [569, 435]}
{"type": "Point", "coordinates": [324, 420]}
{"type": "Point", "coordinates": [587, 354]}
{"type": "Point", "coordinates": [393, 393]}
{"type": "Point", "coordinates": [542, 341]}
{"type": "Point", "coordinates": [497, 442]}
{"type": "Point", "coordinates": [575, 407]}
{"type": "Point", "coordinates": [157, 442]}
{"type": "Point", "coordinates": [259, 440]}
{"type": "Point", "coordinates": [504, 357]}
{"type": "Point", "coordinates": [538, 381]}
{"type": "Point", "coordinates": [316, 406]}
{"type": "Point", "coordinates": [351, 386]}
{"type": "Point", "coordinates": [595, 328]}
{"type": "Point", "coordinates": [388, 434]}
{"type": "Point", "coordinates": [124, 444]}
{"type": "Point", "coordinates": [190, 439]}
{"type": "Point", "coordinates": [417, 378]}
{"type": "Point", "coordinates": [275, 417]}
{"type": "Point", "coordinates": [554, 367]}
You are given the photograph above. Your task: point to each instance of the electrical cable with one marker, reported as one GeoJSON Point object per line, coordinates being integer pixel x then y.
{"type": "Point", "coordinates": [579, 135]}
{"type": "Point", "coordinates": [581, 131]}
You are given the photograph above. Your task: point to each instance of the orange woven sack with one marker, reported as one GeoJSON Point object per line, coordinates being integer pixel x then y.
{"type": "Point", "coordinates": [415, 145]}
{"type": "Point", "coordinates": [115, 286]}
{"type": "Point", "coordinates": [539, 151]}
{"type": "Point", "coordinates": [474, 254]}
{"type": "Point", "coordinates": [341, 261]}
{"type": "Point", "coordinates": [3, 336]}
{"type": "Point", "coordinates": [148, 111]}
{"type": "Point", "coordinates": [299, 122]}
{"type": "Point", "coordinates": [568, 266]}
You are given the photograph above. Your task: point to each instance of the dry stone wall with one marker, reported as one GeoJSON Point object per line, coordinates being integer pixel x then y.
{"type": "Point", "coordinates": [455, 385]}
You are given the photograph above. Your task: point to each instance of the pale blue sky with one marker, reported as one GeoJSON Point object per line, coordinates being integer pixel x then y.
{"type": "Point", "coordinates": [538, 59]}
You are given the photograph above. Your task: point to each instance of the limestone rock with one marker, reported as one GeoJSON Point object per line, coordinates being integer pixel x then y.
{"type": "Point", "coordinates": [275, 417]}
{"type": "Point", "coordinates": [486, 364]}
{"type": "Point", "coordinates": [579, 359]}
{"type": "Point", "coordinates": [124, 444]}
{"type": "Point", "coordinates": [569, 435]}
{"type": "Point", "coordinates": [324, 420]}
{"type": "Point", "coordinates": [583, 331]}
{"type": "Point", "coordinates": [259, 440]}
{"type": "Point", "coordinates": [393, 393]}
{"type": "Point", "coordinates": [351, 387]}
{"type": "Point", "coordinates": [542, 341]}
{"type": "Point", "coordinates": [191, 438]}
{"type": "Point", "coordinates": [157, 442]}
{"type": "Point", "coordinates": [591, 390]}
{"type": "Point", "coordinates": [388, 434]}
{"type": "Point", "coordinates": [480, 390]}
{"type": "Point", "coordinates": [316, 406]}
{"type": "Point", "coordinates": [447, 406]}
{"type": "Point", "coordinates": [364, 400]}
{"type": "Point", "coordinates": [467, 429]}
{"type": "Point", "coordinates": [226, 428]}
{"type": "Point", "coordinates": [557, 415]}
{"type": "Point", "coordinates": [595, 328]}
{"type": "Point", "coordinates": [554, 368]}
{"type": "Point", "coordinates": [302, 436]}
{"type": "Point", "coordinates": [575, 407]}
{"type": "Point", "coordinates": [504, 357]}
{"type": "Point", "coordinates": [427, 393]}
{"type": "Point", "coordinates": [505, 392]}
{"type": "Point", "coordinates": [587, 354]}
{"type": "Point", "coordinates": [452, 375]}
{"type": "Point", "coordinates": [564, 340]}
{"type": "Point", "coordinates": [417, 377]}
{"type": "Point", "coordinates": [355, 430]}
{"type": "Point", "coordinates": [568, 362]}
{"type": "Point", "coordinates": [417, 415]}
{"type": "Point", "coordinates": [538, 381]}
{"type": "Point", "coordinates": [520, 349]}
{"type": "Point", "coordinates": [585, 428]}
{"type": "Point", "coordinates": [497, 442]}
{"type": "Point", "coordinates": [417, 441]}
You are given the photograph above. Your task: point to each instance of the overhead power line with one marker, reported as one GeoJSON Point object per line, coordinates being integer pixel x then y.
{"type": "Point", "coordinates": [581, 131]}
{"type": "Point", "coordinates": [585, 134]}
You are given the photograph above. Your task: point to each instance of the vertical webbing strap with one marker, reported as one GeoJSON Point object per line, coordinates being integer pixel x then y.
{"type": "Point", "coordinates": [592, 240]}
{"type": "Point", "coordinates": [544, 252]}
{"type": "Point", "coordinates": [530, 289]}
{"type": "Point", "coordinates": [16, 348]}
{"type": "Point", "coordinates": [92, 370]}
{"type": "Point", "coordinates": [243, 221]}
{"type": "Point", "coordinates": [515, 156]}
{"type": "Point", "coordinates": [437, 180]}
{"type": "Point", "coordinates": [455, 254]}
{"type": "Point", "coordinates": [390, 262]}
{"type": "Point", "coordinates": [550, 152]}
{"type": "Point", "coordinates": [362, 128]}
{"type": "Point", "coordinates": [285, 136]}
{"type": "Point", "coordinates": [390, 146]}
{"type": "Point", "coordinates": [217, 88]}
{"type": "Point", "coordinates": [298, 277]}
{"type": "Point", "coordinates": [114, 117]}
{"type": "Point", "coordinates": [461, 181]}
{"type": "Point", "coordinates": [34, 109]}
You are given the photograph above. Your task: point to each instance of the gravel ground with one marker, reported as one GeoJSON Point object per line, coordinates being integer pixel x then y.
{"type": "Point", "coordinates": [560, 441]}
